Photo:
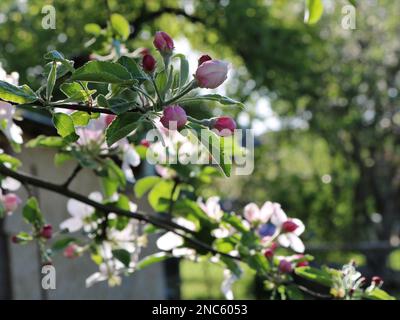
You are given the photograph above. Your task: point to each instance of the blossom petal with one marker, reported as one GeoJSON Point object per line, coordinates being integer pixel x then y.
{"type": "Point", "coordinates": [284, 240]}
{"type": "Point", "coordinates": [169, 241]}
{"type": "Point", "coordinates": [72, 224]}
{"type": "Point", "coordinates": [295, 243]}
{"type": "Point", "coordinates": [78, 209]}
{"type": "Point", "coordinates": [251, 212]}
{"type": "Point", "coordinates": [300, 227]}
{"type": "Point", "coordinates": [279, 216]}
{"type": "Point", "coordinates": [10, 184]}
{"type": "Point", "coordinates": [266, 211]}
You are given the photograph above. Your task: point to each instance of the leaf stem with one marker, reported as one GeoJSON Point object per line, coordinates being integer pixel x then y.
{"type": "Point", "coordinates": [192, 85]}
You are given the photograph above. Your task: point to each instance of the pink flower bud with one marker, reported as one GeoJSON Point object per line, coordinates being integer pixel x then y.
{"type": "Point", "coordinates": [145, 143]}
{"type": "Point", "coordinates": [174, 117]}
{"type": "Point", "coordinates": [269, 253]}
{"type": "Point", "coordinates": [224, 125]}
{"type": "Point", "coordinates": [302, 264]}
{"type": "Point", "coordinates": [377, 280]}
{"type": "Point", "coordinates": [289, 226]}
{"type": "Point", "coordinates": [15, 239]}
{"type": "Point", "coordinates": [148, 63]}
{"type": "Point", "coordinates": [71, 251]}
{"type": "Point", "coordinates": [47, 231]}
{"type": "Point", "coordinates": [285, 266]}
{"type": "Point", "coordinates": [204, 58]}
{"type": "Point", "coordinates": [163, 42]}
{"type": "Point", "coordinates": [11, 202]}
{"type": "Point", "coordinates": [109, 118]}
{"type": "Point", "coordinates": [211, 74]}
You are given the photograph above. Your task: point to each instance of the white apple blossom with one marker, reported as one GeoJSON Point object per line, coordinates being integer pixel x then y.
{"type": "Point", "coordinates": [80, 213]}
{"type": "Point", "coordinates": [254, 214]}
{"type": "Point", "coordinates": [94, 135]}
{"type": "Point", "coordinates": [212, 208]}
{"type": "Point", "coordinates": [288, 239]}
{"type": "Point", "coordinates": [171, 240]}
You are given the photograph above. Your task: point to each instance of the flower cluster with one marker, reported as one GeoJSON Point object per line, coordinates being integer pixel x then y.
{"type": "Point", "coordinates": [116, 238]}
{"type": "Point", "coordinates": [272, 223]}
{"type": "Point", "coordinates": [210, 74]}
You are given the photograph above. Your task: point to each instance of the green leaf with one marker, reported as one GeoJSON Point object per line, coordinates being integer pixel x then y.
{"type": "Point", "coordinates": [65, 127]}
{"type": "Point", "coordinates": [120, 26]}
{"type": "Point", "coordinates": [235, 222]}
{"type": "Point", "coordinates": [212, 97]}
{"type": "Point", "coordinates": [15, 94]}
{"type": "Point", "coordinates": [14, 162]}
{"type": "Point", "coordinates": [232, 265]}
{"type": "Point", "coordinates": [2, 211]}
{"type": "Point", "coordinates": [294, 292]}
{"type": "Point", "coordinates": [32, 213]}
{"type": "Point", "coordinates": [144, 185]}
{"type": "Point", "coordinates": [314, 11]}
{"type": "Point", "coordinates": [224, 245]}
{"type": "Point", "coordinates": [75, 92]}
{"type": "Point", "coordinates": [120, 106]}
{"type": "Point", "coordinates": [62, 244]}
{"type": "Point", "coordinates": [189, 208]}
{"type": "Point", "coordinates": [258, 262]}
{"type": "Point", "coordinates": [46, 141]}
{"type": "Point", "coordinates": [23, 237]}
{"type": "Point", "coordinates": [51, 81]}
{"type": "Point", "coordinates": [161, 82]}
{"type": "Point", "coordinates": [92, 28]}
{"type": "Point", "coordinates": [132, 67]}
{"type": "Point", "coordinates": [151, 259]}
{"type": "Point", "coordinates": [214, 144]}
{"type": "Point", "coordinates": [122, 126]}
{"type": "Point", "coordinates": [159, 196]}
{"type": "Point", "coordinates": [102, 72]}
{"type": "Point", "coordinates": [123, 256]}
{"type": "Point", "coordinates": [54, 55]}
{"type": "Point", "coordinates": [316, 275]}
{"type": "Point", "coordinates": [81, 118]}
{"type": "Point", "coordinates": [109, 186]}
{"type": "Point", "coordinates": [115, 173]}
{"type": "Point", "coordinates": [184, 70]}
{"type": "Point", "coordinates": [62, 70]}
{"type": "Point", "coordinates": [378, 294]}
{"type": "Point", "coordinates": [102, 101]}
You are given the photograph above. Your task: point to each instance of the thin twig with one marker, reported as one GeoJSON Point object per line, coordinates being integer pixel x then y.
{"type": "Point", "coordinates": [77, 107]}
{"type": "Point", "coordinates": [313, 293]}
{"type": "Point", "coordinates": [74, 173]}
